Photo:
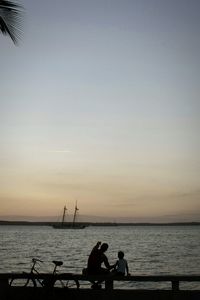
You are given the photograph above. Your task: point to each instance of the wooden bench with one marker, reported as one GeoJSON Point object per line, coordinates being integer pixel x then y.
{"type": "Point", "coordinates": [109, 280]}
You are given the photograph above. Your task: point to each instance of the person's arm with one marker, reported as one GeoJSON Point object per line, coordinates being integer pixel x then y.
{"type": "Point", "coordinates": [127, 269]}
{"type": "Point", "coordinates": [113, 266]}
{"type": "Point", "coordinates": [96, 246]}
{"type": "Point", "coordinates": [106, 263]}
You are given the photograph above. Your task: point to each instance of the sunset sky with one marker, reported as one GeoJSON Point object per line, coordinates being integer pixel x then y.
{"type": "Point", "coordinates": [100, 103]}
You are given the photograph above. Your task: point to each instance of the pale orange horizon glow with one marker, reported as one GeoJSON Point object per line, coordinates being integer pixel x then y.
{"type": "Point", "coordinates": [102, 106]}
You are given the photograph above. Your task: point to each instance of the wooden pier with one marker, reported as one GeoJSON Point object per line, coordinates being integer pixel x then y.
{"type": "Point", "coordinates": [11, 287]}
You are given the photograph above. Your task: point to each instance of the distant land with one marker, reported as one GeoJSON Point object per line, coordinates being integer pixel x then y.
{"type": "Point", "coordinates": [193, 217]}
{"type": "Point", "coordinates": [29, 223]}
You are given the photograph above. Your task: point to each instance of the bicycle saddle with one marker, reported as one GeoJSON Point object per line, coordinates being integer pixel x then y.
{"type": "Point", "coordinates": [57, 262]}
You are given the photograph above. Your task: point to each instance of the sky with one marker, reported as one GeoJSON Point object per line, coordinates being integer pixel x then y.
{"type": "Point", "coordinates": [100, 103]}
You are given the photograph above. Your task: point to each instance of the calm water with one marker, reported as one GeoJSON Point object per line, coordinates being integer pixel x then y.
{"type": "Point", "coordinates": [149, 250]}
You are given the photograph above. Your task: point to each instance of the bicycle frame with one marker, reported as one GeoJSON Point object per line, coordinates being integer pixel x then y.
{"type": "Point", "coordinates": [34, 271]}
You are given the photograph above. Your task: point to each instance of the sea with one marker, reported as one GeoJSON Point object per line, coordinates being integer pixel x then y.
{"type": "Point", "coordinates": [149, 250]}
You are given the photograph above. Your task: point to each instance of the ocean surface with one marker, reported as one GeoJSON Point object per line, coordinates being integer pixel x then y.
{"type": "Point", "coordinates": [149, 250]}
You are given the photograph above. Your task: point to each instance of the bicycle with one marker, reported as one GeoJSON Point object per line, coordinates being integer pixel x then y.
{"type": "Point", "coordinates": [47, 282]}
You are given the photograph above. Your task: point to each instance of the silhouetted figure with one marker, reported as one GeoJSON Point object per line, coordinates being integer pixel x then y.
{"type": "Point", "coordinates": [121, 265]}
{"type": "Point", "coordinates": [96, 258]}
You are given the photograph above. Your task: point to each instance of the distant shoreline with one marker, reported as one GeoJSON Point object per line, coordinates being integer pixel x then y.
{"type": "Point", "coordinates": [29, 223]}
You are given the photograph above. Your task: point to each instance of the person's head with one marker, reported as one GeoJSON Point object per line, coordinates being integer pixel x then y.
{"type": "Point", "coordinates": [104, 247]}
{"type": "Point", "coordinates": [120, 254]}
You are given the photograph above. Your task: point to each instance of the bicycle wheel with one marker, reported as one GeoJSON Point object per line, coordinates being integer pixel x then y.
{"type": "Point", "coordinates": [22, 282]}
{"type": "Point", "coordinates": [73, 283]}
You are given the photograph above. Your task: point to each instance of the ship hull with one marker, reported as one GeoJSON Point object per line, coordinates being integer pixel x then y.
{"type": "Point", "coordinates": [68, 227]}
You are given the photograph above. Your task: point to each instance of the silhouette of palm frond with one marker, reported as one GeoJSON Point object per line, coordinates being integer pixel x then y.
{"type": "Point", "coordinates": [11, 19]}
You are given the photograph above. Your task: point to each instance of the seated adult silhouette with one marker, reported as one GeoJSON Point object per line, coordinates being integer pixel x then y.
{"type": "Point", "coordinates": [96, 258]}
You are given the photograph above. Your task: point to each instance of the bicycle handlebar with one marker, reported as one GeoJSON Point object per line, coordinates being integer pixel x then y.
{"type": "Point", "coordinates": [34, 260]}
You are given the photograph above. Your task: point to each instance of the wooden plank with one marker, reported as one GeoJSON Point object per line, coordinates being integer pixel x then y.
{"type": "Point", "coordinates": [108, 279]}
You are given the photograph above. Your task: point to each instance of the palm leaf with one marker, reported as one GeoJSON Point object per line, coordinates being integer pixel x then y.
{"type": "Point", "coordinates": [11, 19]}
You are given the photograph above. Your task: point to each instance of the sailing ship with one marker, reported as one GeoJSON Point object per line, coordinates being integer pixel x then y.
{"type": "Point", "coordinates": [73, 225]}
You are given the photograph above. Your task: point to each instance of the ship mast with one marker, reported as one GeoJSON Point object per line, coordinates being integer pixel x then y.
{"type": "Point", "coordinates": [63, 217]}
{"type": "Point", "coordinates": [75, 213]}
